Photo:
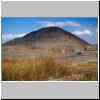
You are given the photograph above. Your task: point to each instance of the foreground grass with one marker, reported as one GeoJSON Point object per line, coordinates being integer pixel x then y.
{"type": "Point", "coordinates": [89, 71]}
{"type": "Point", "coordinates": [42, 69]}
{"type": "Point", "coordinates": [33, 69]}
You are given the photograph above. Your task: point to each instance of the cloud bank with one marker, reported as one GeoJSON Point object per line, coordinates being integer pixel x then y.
{"type": "Point", "coordinates": [83, 32]}
{"type": "Point", "coordinates": [58, 24]}
{"type": "Point", "coordinates": [7, 37]}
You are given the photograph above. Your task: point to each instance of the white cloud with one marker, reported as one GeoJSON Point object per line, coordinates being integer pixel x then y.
{"type": "Point", "coordinates": [7, 37]}
{"type": "Point", "coordinates": [48, 24]}
{"type": "Point", "coordinates": [70, 23]}
{"type": "Point", "coordinates": [58, 24]}
{"type": "Point", "coordinates": [84, 32]}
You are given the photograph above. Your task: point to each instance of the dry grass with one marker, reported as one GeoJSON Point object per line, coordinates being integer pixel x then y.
{"type": "Point", "coordinates": [89, 71]}
{"type": "Point", "coordinates": [42, 69]}
{"type": "Point", "coordinates": [33, 69]}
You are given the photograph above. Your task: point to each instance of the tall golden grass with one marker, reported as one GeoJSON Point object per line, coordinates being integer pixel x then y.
{"type": "Point", "coordinates": [39, 69]}
{"type": "Point", "coordinates": [33, 69]}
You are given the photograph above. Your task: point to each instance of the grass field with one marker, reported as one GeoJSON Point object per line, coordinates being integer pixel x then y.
{"type": "Point", "coordinates": [42, 69]}
{"type": "Point", "coordinates": [89, 71]}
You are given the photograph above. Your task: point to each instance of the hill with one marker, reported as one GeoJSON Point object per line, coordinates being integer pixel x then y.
{"type": "Point", "coordinates": [49, 38]}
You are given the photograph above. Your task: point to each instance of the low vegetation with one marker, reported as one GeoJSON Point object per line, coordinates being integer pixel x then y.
{"type": "Point", "coordinates": [21, 69]}
{"type": "Point", "coordinates": [32, 69]}
{"type": "Point", "coordinates": [89, 71]}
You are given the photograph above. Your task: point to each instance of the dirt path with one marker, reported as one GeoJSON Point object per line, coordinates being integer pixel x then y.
{"type": "Point", "coordinates": [74, 58]}
{"type": "Point", "coordinates": [24, 56]}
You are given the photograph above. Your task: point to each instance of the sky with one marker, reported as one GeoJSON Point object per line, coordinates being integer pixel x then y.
{"type": "Point", "coordinates": [85, 28]}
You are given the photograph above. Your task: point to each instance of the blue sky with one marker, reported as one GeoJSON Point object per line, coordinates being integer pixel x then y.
{"type": "Point", "coordinates": [85, 28]}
